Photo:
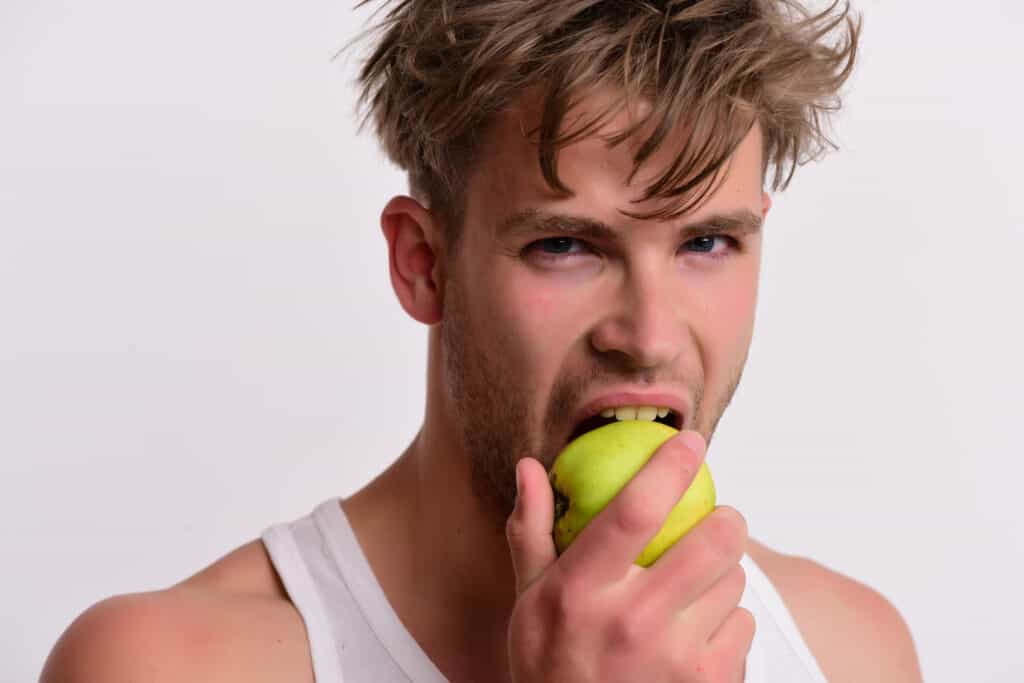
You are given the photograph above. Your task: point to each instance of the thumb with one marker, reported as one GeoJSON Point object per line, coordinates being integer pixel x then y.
{"type": "Point", "coordinates": [528, 528]}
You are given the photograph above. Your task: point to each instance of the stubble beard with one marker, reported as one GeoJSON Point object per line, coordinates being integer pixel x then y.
{"type": "Point", "coordinates": [490, 404]}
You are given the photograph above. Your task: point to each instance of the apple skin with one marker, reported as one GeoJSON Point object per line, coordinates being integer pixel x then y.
{"type": "Point", "coordinates": [594, 467]}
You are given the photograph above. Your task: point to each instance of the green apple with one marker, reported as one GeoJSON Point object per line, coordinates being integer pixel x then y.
{"type": "Point", "coordinates": [594, 467]}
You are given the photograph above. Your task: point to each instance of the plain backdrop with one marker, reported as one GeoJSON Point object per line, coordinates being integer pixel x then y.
{"type": "Point", "coordinates": [198, 337]}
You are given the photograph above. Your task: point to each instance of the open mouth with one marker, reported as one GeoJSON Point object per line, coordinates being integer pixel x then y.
{"type": "Point", "coordinates": [665, 416]}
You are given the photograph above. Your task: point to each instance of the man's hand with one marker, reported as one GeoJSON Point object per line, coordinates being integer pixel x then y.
{"type": "Point", "coordinates": [592, 615]}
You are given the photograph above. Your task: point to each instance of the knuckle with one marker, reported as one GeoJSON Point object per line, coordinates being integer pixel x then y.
{"type": "Point", "coordinates": [736, 520]}
{"type": "Point", "coordinates": [747, 624]}
{"type": "Point", "coordinates": [684, 461]}
{"type": "Point", "coordinates": [515, 530]}
{"type": "Point", "coordinates": [735, 581]}
{"type": "Point", "coordinates": [634, 516]}
{"type": "Point", "coordinates": [522, 622]}
{"type": "Point", "coordinates": [727, 532]}
{"type": "Point", "coordinates": [729, 656]}
{"type": "Point", "coordinates": [724, 661]}
{"type": "Point", "coordinates": [626, 632]}
{"type": "Point", "coordinates": [562, 601]}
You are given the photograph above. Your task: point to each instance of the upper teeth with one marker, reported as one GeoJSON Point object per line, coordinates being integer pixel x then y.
{"type": "Point", "coordinates": [635, 412]}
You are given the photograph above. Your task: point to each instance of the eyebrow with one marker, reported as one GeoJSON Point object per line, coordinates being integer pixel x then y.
{"type": "Point", "coordinates": [530, 221]}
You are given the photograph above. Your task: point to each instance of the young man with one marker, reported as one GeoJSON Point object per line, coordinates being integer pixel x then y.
{"type": "Point", "coordinates": [583, 235]}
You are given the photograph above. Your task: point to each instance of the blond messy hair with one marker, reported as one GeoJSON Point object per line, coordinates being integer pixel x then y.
{"type": "Point", "coordinates": [443, 69]}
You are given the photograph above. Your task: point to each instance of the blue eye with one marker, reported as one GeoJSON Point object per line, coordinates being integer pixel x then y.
{"type": "Point", "coordinates": [706, 245]}
{"type": "Point", "coordinates": [554, 248]}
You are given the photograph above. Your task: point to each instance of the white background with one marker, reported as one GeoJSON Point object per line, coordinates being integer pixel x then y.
{"type": "Point", "coordinates": [198, 337]}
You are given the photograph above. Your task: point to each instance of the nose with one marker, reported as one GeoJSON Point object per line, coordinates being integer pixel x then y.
{"type": "Point", "coordinates": [646, 324]}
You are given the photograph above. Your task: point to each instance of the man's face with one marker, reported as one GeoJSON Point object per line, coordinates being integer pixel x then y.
{"type": "Point", "coordinates": [539, 323]}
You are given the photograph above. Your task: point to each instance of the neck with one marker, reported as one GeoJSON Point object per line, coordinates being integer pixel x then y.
{"type": "Point", "coordinates": [438, 550]}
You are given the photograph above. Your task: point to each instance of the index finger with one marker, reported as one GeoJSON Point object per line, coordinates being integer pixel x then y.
{"type": "Point", "coordinates": [606, 549]}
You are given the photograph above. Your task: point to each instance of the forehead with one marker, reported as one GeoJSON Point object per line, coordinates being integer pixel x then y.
{"type": "Point", "coordinates": [508, 175]}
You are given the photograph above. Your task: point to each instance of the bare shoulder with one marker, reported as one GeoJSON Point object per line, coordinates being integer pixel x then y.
{"type": "Point", "coordinates": [854, 632]}
{"type": "Point", "coordinates": [197, 630]}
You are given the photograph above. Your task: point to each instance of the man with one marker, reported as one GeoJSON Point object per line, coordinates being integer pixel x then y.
{"type": "Point", "coordinates": [583, 236]}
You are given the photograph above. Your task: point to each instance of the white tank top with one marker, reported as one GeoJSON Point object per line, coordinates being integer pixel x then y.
{"type": "Point", "coordinates": [356, 637]}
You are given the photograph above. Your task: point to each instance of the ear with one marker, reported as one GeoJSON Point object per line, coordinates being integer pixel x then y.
{"type": "Point", "coordinates": [413, 250]}
{"type": "Point", "coordinates": [766, 204]}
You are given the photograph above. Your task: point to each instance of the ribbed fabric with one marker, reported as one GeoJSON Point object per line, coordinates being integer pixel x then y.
{"type": "Point", "coordinates": [356, 637]}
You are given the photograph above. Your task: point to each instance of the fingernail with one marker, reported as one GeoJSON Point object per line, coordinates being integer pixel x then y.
{"type": "Point", "coordinates": [519, 478]}
{"type": "Point", "coordinates": [692, 440]}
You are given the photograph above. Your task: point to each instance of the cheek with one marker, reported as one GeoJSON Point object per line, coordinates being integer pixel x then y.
{"type": "Point", "coordinates": [542, 324]}
{"type": "Point", "coordinates": [729, 315]}
{"type": "Point", "coordinates": [529, 312]}
{"type": "Point", "coordinates": [535, 306]}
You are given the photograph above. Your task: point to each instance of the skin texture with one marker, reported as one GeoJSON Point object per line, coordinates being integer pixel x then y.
{"type": "Point", "coordinates": [644, 311]}
{"type": "Point", "coordinates": [516, 343]}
